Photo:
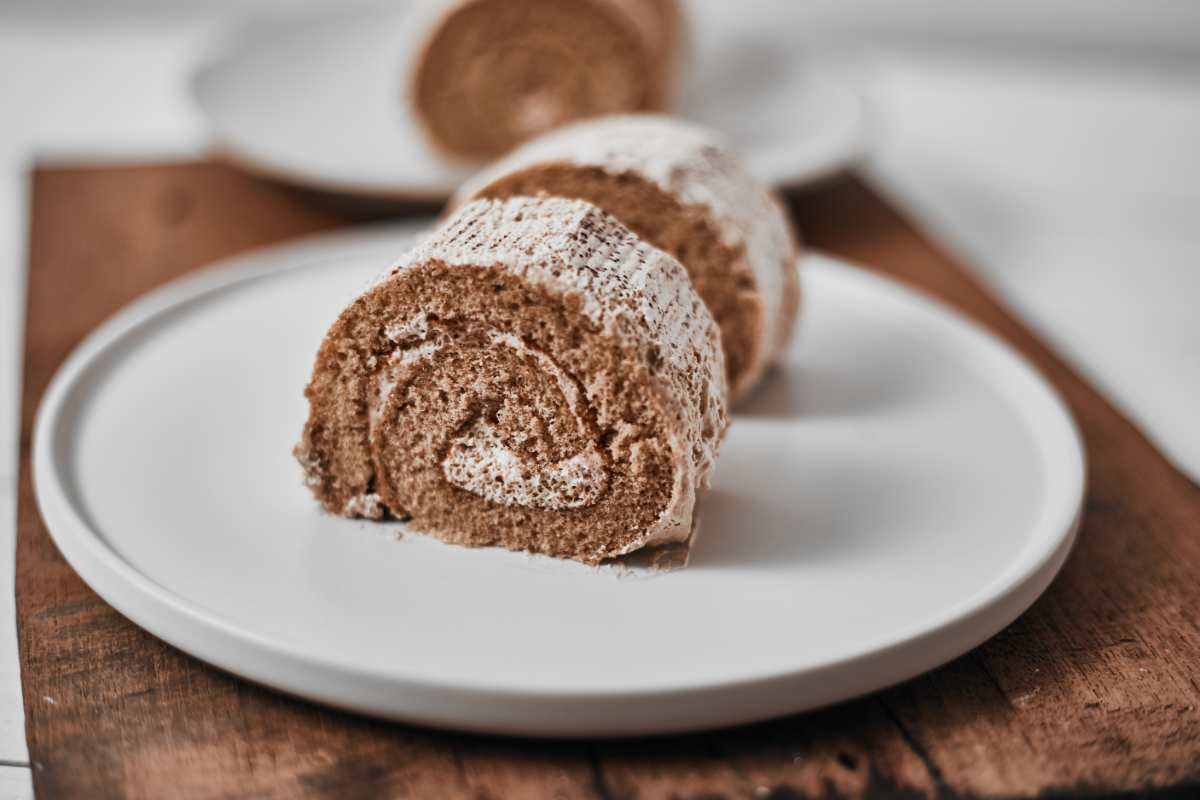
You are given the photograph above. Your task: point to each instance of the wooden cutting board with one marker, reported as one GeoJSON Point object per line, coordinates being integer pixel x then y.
{"type": "Point", "coordinates": [1095, 690]}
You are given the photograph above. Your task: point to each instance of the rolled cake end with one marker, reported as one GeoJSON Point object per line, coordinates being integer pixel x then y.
{"type": "Point", "coordinates": [534, 377]}
{"type": "Point", "coordinates": [494, 73]}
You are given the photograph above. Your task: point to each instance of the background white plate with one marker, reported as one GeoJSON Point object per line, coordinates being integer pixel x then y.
{"type": "Point", "coordinates": [321, 102]}
{"type": "Point", "coordinates": [901, 491]}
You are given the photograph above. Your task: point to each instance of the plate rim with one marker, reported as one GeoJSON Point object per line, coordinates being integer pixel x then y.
{"type": "Point", "coordinates": [219, 641]}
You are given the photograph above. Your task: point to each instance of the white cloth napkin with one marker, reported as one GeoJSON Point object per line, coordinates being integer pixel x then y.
{"type": "Point", "coordinates": [1073, 184]}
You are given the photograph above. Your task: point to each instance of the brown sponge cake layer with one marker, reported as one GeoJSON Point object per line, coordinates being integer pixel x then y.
{"type": "Point", "coordinates": [533, 376]}
{"type": "Point", "coordinates": [677, 186]}
{"type": "Point", "coordinates": [493, 73]}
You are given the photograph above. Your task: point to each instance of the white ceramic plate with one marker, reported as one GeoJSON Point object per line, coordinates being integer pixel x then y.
{"type": "Point", "coordinates": [903, 489]}
{"type": "Point", "coordinates": [320, 102]}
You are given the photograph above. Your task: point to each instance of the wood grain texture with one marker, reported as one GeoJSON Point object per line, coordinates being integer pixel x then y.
{"type": "Point", "coordinates": [1095, 691]}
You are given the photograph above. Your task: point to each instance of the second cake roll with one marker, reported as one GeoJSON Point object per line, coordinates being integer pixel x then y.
{"type": "Point", "coordinates": [680, 188]}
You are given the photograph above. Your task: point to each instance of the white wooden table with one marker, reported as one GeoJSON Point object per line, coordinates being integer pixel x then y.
{"type": "Point", "coordinates": [1073, 184]}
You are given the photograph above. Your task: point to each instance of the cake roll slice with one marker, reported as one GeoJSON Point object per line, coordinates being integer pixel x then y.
{"type": "Point", "coordinates": [680, 188]}
{"type": "Point", "coordinates": [490, 74]}
{"type": "Point", "coordinates": [533, 376]}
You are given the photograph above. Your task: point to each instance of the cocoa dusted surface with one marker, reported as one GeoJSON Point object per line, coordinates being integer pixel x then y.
{"type": "Point", "coordinates": [684, 232]}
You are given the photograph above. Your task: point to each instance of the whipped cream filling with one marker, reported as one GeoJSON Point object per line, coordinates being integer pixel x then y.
{"type": "Point", "coordinates": [391, 374]}
{"type": "Point", "coordinates": [481, 463]}
{"type": "Point", "coordinates": [368, 506]}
